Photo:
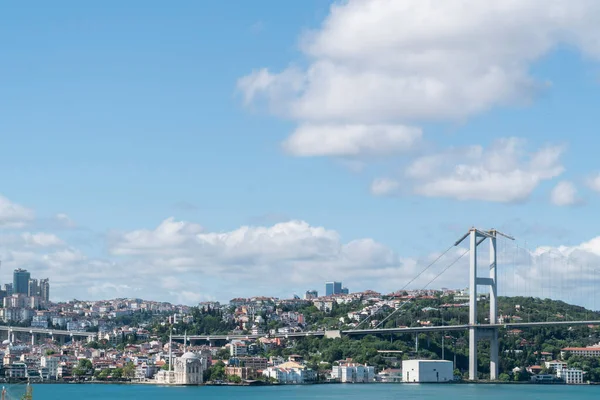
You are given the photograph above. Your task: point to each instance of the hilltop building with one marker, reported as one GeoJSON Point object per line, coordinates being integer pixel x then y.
{"type": "Point", "coordinates": [332, 288]}
{"type": "Point", "coordinates": [21, 279]}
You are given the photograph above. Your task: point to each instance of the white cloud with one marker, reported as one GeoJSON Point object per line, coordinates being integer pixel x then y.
{"type": "Point", "coordinates": [170, 234]}
{"type": "Point", "coordinates": [351, 140]}
{"type": "Point", "coordinates": [593, 182]}
{"type": "Point", "coordinates": [564, 194]}
{"type": "Point", "coordinates": [65, 221]}
{"type": "Point", "coordinates": [179, 262]}
{"type": "Point", "coordinates": [384, 186]}
{"type": "Point", "coordinates": [28, 240]}
{"type": "Point", "coordinates": [42, 239]}
{"type": "Point", "coordinates": [13, 215]}
{"type": "Point", "coordinates": [504, 172]}
{"type": "Point", "coordinates": [397, 62]}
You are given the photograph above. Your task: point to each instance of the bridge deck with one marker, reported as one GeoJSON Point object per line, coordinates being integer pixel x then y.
{"type": "Point", "coordinates": [417, 329]}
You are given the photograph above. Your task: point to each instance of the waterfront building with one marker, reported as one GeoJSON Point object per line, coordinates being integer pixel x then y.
{"type": "Point", "coordinates": [186, 370]}
{"type": "Point", "coordinates": [21, 281]}
{"type": "Point", "coordinates": [51, 363]}
{"type": "Point", "coordinates": [570, 375]}
{"type": "Point", "coordinates": [332, 288]}
{"type": "Point", "coordinates": [544, 378]}
{"type": "Point", "coordinates": [353, 373]}
{"type": "Point", "coordinates": [427, 371]}
{"type": "Point", "coordinates": [290, 373]}
{"type": "Point", "coordinates": [390, 375]}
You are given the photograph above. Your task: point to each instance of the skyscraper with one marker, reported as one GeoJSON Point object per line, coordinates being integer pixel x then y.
{"type": "Point", "coordinates": [332, 288]}
{"type": "Point", "coordinates": [45, 290]}
{"type": "Point", "coordinates": [21, 281]}
{"type": "Point", "coordinates": [33, 288]}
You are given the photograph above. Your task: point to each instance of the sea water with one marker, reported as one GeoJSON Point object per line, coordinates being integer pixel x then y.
{"type": "Point", "coordinates": [312, 392]}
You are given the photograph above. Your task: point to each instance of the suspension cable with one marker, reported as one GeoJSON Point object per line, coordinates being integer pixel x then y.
{"type": "Point", "coordinates": [424, 287]}
{"type": "Point", "coordinates": [411, 281]}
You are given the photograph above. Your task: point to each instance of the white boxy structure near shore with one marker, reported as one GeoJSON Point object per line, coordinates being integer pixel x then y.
{"type": "Point", "coordinates": [421, 371]}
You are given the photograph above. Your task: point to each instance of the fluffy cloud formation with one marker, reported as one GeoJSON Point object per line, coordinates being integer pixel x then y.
{"type": "Point", "coordinates": [503, 172]}
{"type": "Point", "coordinates": [395, 62]}
{"type": "Point", "coordinates": [564, 194]}
{"type": "Point", "coordinates": [594, 182]}
{"type": "Point", "coordinates": [14, 215]}
{"type": "Point", "coordinates": [181, 262]}
{"type": "Point", "coordinates": [384, 186]}
{"type": "Point", "coordinates": [351, 140]}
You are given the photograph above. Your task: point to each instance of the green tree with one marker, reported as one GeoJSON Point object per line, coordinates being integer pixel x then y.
{"type": "Point", "coordinates": [117, 373]}
{"type": "Point", "coordinates": [129, 370]}
{"type": "Point", "coordinates": [84, 366]}
{"type": "Point", "coordinates": [504, 377]}
{"type": "Point", "coordinates": [217, 371]}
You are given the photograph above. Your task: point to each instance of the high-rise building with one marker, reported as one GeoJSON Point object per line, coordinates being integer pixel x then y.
{"type": "Point", "coordinates": [311, 294]}
{"type": "Point", "coordinates": [33, 288]}
{"type": "Point", "coordinates": [8, 288]}
{"type": "Point", "coordinates": [332, 288]}
{"type": "Point", "coordinates": [345, 291]}
{"type": "Point", "coordinates": [21, 281]}
{"type": "Point", "coordinates": [45, 290]}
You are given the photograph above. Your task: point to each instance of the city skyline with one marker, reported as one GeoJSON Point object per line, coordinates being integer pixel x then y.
{"type": "Point", "coordinates": [147, 159]}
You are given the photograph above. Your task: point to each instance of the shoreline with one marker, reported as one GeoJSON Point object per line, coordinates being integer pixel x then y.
{"type": "Point", "coordinates": [263, 384]}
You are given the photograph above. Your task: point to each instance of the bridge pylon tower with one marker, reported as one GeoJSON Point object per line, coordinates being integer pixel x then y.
{"type": "Point", "coordinates": [479, 331]}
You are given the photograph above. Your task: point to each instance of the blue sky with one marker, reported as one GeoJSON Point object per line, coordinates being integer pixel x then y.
{"type": "Point", "coordinates": [123, 115]}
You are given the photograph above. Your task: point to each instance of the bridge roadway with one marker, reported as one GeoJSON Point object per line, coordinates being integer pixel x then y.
{"type": "Point", "coordinates": [417, 329]}
{"type": "Point", "coordinates": [42, 331]}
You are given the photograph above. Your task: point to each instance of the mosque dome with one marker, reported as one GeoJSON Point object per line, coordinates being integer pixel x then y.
{"type": "Point", "coordinates": [190, 356]}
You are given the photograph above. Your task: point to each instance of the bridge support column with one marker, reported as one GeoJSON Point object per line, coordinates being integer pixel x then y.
{"type": "Point", "coordinates": [416, 342]}
{"type": "Point", "coordinates": [473, 238]}
{"type": "Point", "coordinates": [476, 332]}
{"type": "Point", "coordinates": [493, 310]}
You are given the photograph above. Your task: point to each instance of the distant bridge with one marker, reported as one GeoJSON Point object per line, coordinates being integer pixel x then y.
{"type": "Point", "coordinates": [385, 331]}
{"type": "Point", "coordinates": [41, 333]}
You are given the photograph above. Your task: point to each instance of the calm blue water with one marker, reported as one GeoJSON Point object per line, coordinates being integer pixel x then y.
{"type": "Point", "coordinates": [329, 392]}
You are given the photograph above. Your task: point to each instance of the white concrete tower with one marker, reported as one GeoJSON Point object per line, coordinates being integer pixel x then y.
{"type": "Point", "coordinates": [477, 331]}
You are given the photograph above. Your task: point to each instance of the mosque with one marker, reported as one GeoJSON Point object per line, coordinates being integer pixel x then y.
{"type": "Point", "coordinates": [185, 370]}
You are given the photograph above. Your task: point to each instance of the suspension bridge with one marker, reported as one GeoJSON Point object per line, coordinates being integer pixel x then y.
{"type": "Point", "coordinates": [477, 331]}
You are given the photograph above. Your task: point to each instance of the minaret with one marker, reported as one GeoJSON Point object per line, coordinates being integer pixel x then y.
{"type": "Point", "coordinates": [184, 341]}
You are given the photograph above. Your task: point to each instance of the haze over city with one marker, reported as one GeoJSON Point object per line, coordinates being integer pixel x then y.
{"type": "Point", "coordinates": [194, 151]}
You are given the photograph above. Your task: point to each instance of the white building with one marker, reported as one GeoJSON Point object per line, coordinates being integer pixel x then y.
{"type": "Point", "coordinates": [354, 373]}
{"type": "Point", "coordinates": [290, 373]}
{"type": "Point", "coordinates": [570, 376]}
{"type": "Point", "coordinates": [555, 365]}
{"type": "Point", "coordinates": [427, 371]}
{"type": "Point", "coordinates": [51, 362]}
{"type": "Point", "coordinates": [187, 370]}
{"type": "Point", "coordinates": [389, 375]}
{"type": "Point", "coordinates": [590, 351]}
{"type": "Point", "coordinates": [237, 349]}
